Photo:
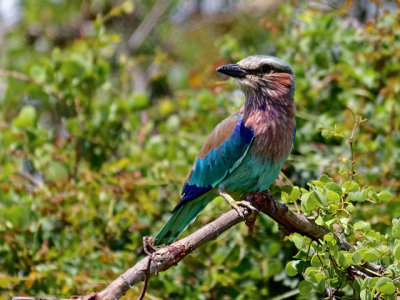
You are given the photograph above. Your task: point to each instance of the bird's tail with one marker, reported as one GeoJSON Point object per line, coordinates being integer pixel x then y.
{"type": "Point", "coordinates": [180, 219]}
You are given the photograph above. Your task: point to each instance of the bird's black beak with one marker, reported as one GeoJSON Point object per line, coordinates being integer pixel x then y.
{"type": "Point", "coordinates": [232, 70]}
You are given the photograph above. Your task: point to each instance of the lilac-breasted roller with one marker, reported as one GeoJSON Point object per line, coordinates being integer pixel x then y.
{"type": "Point", "coordinates": [246, 151]}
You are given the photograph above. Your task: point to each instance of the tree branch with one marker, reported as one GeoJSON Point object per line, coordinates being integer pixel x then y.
{"type": "Point", "coordinates": [168, 256]}
{"type": "Point", "coordinates": [147, 25]}
{"type": "Point", "coordinates": [290, 222]}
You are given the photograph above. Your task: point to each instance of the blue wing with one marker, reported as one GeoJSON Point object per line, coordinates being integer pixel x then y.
{"type": "Point", "coordinates": [223, 151]}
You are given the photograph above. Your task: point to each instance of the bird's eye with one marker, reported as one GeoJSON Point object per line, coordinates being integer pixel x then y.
{"type": "Point", "coordinates": [266, 69]}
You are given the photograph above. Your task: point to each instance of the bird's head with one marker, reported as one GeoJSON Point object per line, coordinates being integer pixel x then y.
{"type": "Point", "coordinates": [263, 76]}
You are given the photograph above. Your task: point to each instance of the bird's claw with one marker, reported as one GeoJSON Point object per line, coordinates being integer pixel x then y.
{"type": "Point", "coordinates": [245, 204]}
{"type": "Point", "coordinates": [148, 245]}
{"type": "Point", "coordinates": [235, 205]}
{"type": "Point", "coordinates": [248, 205]}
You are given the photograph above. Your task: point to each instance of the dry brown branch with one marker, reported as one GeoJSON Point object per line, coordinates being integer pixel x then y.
{"type": "Point", "coordinates": [168, 256]}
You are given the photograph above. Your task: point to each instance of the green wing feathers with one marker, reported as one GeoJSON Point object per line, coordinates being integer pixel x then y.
{"type": "Point", "coordinates": [181, 218]}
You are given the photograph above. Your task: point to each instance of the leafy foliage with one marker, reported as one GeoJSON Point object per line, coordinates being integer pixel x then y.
{"type": "Point", "coordinates": [323, 264]}
{"type": "Point", "coordinates": [96, 142]}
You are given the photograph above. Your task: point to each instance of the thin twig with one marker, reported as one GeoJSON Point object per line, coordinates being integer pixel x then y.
{"type": "Point", "coordinates": [148, 247]}
{"type": "Point", "coordinates": [23, 77]}
{"type": "Point", "coordinates": [39, 184]}
{"type": "Point", "coordinates": [146, 280]}
{"type": "Point", "coordinates": [350, 141]}
{"type": "Point", "coordinates": [147, 25]}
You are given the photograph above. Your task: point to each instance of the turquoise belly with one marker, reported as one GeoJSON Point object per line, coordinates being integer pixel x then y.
{"type": "Point", "coordinates": [252, 175]}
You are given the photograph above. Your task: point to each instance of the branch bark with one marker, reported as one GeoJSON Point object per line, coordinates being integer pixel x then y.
{"type": "Point", "coordinates": [168, 256]}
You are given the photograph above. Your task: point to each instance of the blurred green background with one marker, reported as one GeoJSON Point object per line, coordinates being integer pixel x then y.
{"type": "Point", "coordinates": [105, 104]}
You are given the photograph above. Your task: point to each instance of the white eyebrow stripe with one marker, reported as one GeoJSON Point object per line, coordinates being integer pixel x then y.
{"type": "Point", "coordinates": [255, 62]}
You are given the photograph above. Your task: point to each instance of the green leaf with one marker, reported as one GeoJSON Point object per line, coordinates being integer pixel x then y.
{"type": "Point", "coordinates": [298, 241]}
{"type": "Point", "coordinates": [274, 267]}
{"type": "Point", "coordinates": [315, 261]}
{"type": "Point", "coordinates": [332, 209]}
{"type": "Point", "coordinates": [385, 196]}
{"type": "Point", "coordinates": [318, 183]}
{"type": "Point", "coordinates": [396, 252]}
{"type": "Point", "coordinates": [344, 259]}
{"type": "Point", "coordinates": [56, 171]}
{"type": "Point", "coordinates": [321, 286]}
{"type": "Point", "coordinates": [321, 197]}
{"type": "Point", "coordinates": [396, 228]}
{"type": "Point", "coordinates": [305, 287]}
{"type": "Point", "coordinates": [294, 267]}
{"type": "Point", "coordinates": [38, 73]}
{"type": "Point", "coordinates": [314, 274]}
{"type": "Point", "coordinates": [350, 208]}
{"type": "Point", "coordinates": [370, 283]}
{"type": "Point", "coordinates": [363, 226]}
{"type": "Point", "coordinates": [356, 257]}
{"type": "Point", "coordinates": [72, 69]}
{"type": "Point", "coordinates": [173, 123]}
{"type": "Point", "coordinates": [324, 178]}
{"type": "Point", "coordinates": [303, 190]}
{"type": "Point", "coordinates": [285, 197]}
{"type": "Point", "coordinates": [385, 285]}
{"type": "Point", "coordinates": [372, 195]}
{"type": "Point", "coordinates": [139, 100]}
{"type": "Point", "coordinates": [329, 238]}
{"type": "Point", "coordinates": [26, 117]}
{"type": "Point", "coordinates": [366, 295]}
{"type": "Point", "coordinates": [373, 236]}
{"type": "Point", "coordinates": [332, 186]}
{"type": "Point", "coordinates": [312, 202]}
{"type": "Point", "coordinates": [327, 132]}
{"type": "Point", "coordinates": [371, 255]}
{"type": "Point", "coordinates": [308, 201]}
{"type": "Point", "coordinates": [5, 281]}
{"type": "Point", "coordinates": [351, 186]}
{"type": "Point", "coordinates": [18, 216]}
{"type": "Point", "coordinates": [294, 194]}
{"type": "Point", "coordinates": [319, 221]}
{"type": "Point", "coordinates": [332, 220]}
{"type": "Point", "coordinates": [357, 283]}
{"type": "Point", "coordinates": [333, 197]}
{"type": "Point", "coordinates": [358, 196]}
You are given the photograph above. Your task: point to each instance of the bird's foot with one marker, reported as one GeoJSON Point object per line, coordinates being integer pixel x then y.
{"type": "Point", "coordinates": [148, 245]}
{"type": "Point", "coordinates": [232, 203]}
{"type": "Point", "coordinates": [235, 205]}
{"type": "Point", "coordinates": [248, 205]}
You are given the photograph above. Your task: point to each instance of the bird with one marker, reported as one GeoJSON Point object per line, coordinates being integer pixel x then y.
{"type": "Point", "coordinates": [246, 151]}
